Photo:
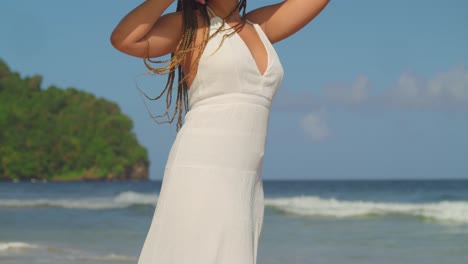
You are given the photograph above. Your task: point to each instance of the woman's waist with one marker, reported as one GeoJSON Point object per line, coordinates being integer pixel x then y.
{"type": "Point", "coordinates": [230, 98]}
{"type": "Point", "coordinates": [231, 117]}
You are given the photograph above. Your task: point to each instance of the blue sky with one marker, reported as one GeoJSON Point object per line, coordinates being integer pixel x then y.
{"type": "Point", "coordinates": [372, 89]}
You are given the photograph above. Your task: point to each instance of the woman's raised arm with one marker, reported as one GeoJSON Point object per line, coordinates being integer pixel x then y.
{"type": "Point", "coordinates": [281, 20]}
{"type": "Point", "coordinates": [144, 25]}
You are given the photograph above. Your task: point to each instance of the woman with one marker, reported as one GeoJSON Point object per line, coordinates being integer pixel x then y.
{"type": "Point", "coordinates": [210, 208]}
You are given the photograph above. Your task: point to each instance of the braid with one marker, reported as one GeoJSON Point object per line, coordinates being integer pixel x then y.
{"type": "Point", "coordinates": [184, 47]}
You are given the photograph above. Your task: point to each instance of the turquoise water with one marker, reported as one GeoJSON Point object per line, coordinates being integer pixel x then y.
{"type": "Point", "coordinates": [319, 222]}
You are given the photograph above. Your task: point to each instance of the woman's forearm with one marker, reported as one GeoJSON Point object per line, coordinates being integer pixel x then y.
{"type": "Point", "coordinates": [136, 24]}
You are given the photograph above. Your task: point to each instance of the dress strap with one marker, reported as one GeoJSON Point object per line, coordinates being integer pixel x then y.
{"type": "Point", "coordinates": [212, 14]}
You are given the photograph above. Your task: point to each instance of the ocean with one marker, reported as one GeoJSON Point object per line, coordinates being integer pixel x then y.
{"type": "Point", "coordinates": [306, 222]}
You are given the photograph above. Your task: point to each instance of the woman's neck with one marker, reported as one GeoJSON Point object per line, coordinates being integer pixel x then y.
{"type": "Point", "coordinates": [222, 8]}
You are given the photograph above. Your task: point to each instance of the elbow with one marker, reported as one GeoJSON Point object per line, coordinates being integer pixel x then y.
{"type": "Point", "coordinates": [116, 40]}
{"type": "Point", "coordinates": [125, 46]}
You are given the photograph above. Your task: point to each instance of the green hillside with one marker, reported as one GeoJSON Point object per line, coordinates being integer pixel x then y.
{"type": "Point", "coordinates": [63, 134]}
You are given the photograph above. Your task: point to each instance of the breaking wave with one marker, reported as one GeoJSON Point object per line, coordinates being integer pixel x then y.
{"type": "Point", "coordinates": [307, 206]}
{"type": "Point", "coordinates": [445, 211]}
{"type": "Point", "coordinates": [24, 248]}
{"type": "Point", "coordinates": [122, 200]}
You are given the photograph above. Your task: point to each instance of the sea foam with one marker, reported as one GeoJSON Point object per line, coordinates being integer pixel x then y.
{"type": "Point", "coordinates": [445, 211]}
{"type": "Point", "coordinates": [307, 206]}
{"type": "Point", "coordinates": [122, 200]}
{"type": "Point", "coordinates": [17, 246]}
{"type": "Point", "coordinates": [68, 254]}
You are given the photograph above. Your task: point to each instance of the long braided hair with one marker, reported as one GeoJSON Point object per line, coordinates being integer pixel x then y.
{"type": "Point", "coordinates": [186, 45]}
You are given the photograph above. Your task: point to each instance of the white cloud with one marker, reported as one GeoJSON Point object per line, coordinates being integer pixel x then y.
{"type": "Point", "coordinates": [444, 91]}
{"type": "Point", "coordinates": [315, 126]}
{"type": "Point", "coordinates": [354, 93]}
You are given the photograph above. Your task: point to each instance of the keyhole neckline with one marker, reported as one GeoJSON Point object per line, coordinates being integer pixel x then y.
{"type": "Point", "coordinates": [245, 45]}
